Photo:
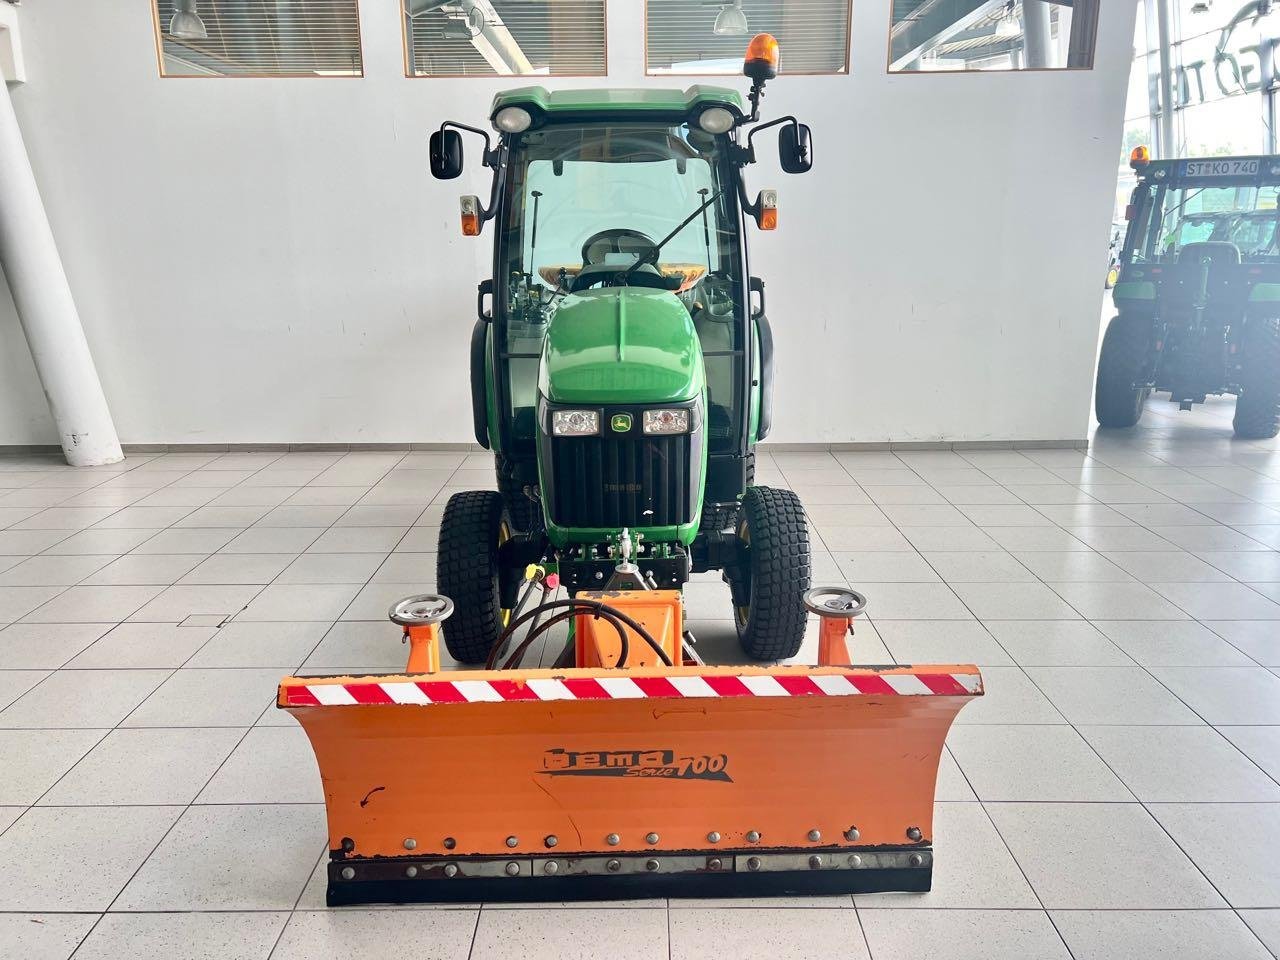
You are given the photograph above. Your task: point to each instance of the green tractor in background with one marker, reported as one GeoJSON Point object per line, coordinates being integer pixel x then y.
{"type": "Point", "coordinates": [624, 371]}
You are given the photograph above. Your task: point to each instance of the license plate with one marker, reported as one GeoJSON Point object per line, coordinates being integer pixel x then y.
{"type": "Point", "coordinates": [1220, 168]}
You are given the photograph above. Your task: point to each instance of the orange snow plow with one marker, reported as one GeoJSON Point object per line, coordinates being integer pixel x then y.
{"type": "Point", "coordinates": [631, 770]}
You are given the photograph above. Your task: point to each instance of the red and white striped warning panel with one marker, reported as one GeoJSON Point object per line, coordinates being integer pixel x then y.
{"type": "Point", "coordinates": [426, 692]}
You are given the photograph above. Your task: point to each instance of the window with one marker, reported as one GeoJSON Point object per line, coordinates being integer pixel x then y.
{"type": "Point", "coordinates": [1243, 216]}
{"type": "Point", "coordinates": [487, 38]}
{"type": "Point", "coordinates": [942, 35]}
{"type": "Point", "coordinates": [695, 37]}
{"type": "Point", "coordinates": [258, 38]}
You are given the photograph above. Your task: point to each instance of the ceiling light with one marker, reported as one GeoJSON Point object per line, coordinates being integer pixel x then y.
{"type": "Point", "coordinates": [730, 21]}
{"type": "Point", "coordinates": [186, 23]}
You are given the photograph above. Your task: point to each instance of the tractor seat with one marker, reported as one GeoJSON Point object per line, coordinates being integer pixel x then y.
{"type": "Point", "coordinates": [1218, 252]}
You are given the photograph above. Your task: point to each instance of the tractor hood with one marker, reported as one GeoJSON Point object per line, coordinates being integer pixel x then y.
{"type": "Point", "coordinates": [621, 345]}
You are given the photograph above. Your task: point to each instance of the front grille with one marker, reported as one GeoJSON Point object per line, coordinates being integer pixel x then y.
{"type": "Point", "coordinates": [621, 481]}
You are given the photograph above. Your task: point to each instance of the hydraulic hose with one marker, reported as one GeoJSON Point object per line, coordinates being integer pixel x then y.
{"type": "Point", "coordinates": [582, 605]}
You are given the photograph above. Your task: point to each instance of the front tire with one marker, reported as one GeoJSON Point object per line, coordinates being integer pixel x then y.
{"type": "Point", "coordinates": [475, 524]}
{"type": "Point", "coordinates": [1258, 406]}
{"type": "Point", "coordinates": [774, 573]}
{"type": "Point", "coordinates": [1123, 363]}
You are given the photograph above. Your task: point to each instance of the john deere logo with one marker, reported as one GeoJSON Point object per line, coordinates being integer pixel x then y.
{"type": "Point", "coordinates": [621, 422]}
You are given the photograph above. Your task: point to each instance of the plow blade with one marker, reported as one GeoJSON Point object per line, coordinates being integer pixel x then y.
{"type": "Point", "coordinates": [600, 783]}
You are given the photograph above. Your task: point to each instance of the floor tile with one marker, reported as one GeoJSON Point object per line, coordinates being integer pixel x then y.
{"type": "Point", "coordinates": [1247, 565]}
{"type": "Point", "coordinates": [1014, 601]}
{"type": "Point", "coordinates": [1097, 856]}
{"type": "Point", "coordinates": [188, 540]}
{"type": "Point", "coordinates": [14, 683]}
{"type": "Point", "coordinates": [1157, 935]}
{"type": "Point", "coordinates": [1009, 697]}
{"type": "Point", "coordinates": [573, 934]}
{"type": "Point", "coordinates": [174, 604]}
{"type": "Point", "coordinates": [1056, 643]}
{"type": "Point", "coordinates": [976, 567]}
{"type": "Point", "coordinates": [358, 540]}
{"type": "Point", "coordinates": [207, 698]}
{"type": "Point", "coordinates": [273, 540]}
{"type": "Point", "coordinates": [859, 538]}
{"type": "Point", "coordinates": [408, 568]}
{"type": "Point", "coordinates": [197, 867]}
{"type": "Point", "coordinates": [375, 600]}
{"type": "Point", "coordinates": [49, 936]}
{"type": "Point", "coordinates": [423, 935]}
{"type": "Point", "coordinates": [1172, 566]}
{"type": "Point", "coordinates": [280, 645]}
{"type": "Point", "coordinates": [239, 568]}
{"type": "Point", "coordinates": [1180, 764]}
{"type": "Point", "coordinates": [1220, 601]}
{"type": "Point", "coordinates": [53, 571]}
{"type": "Point", "coordinates": [947, 538]}
{"type": "Point", "coordinates": [962, 935]}
{"type": "Point", "coordinates": [43, 871]}
{"type": "Point", "coordinates": [1172, 643]}
{"type": "Point", "coordinates": [92, 604]}
{"type": "Point", "coordinates": [192, 936]}
{"type": "Point", "coordinates": [144, 568]}
{"type": "Point", "coordinates": [300, 602]}
{"type": "Point", "coordinates": [144, 767]}
{"type": "Point", "coordinates": [1261, 744]}
{"type": "Point", "coordinates": [913, 601]}
{"type": "Point", "coordinates": [939, 641]}
{"type": "Point", "coordinates": [29, 542]}
{"type": "Point", "coordinates": [358, 646]}
{"type": "Point", "coordinates": [1209, 538]}
{"type": "Point", "coordinates": [972, 867]}
{"type": "Point", "coordinates": [333, 568]}
{"type": "Point", "coordinates": [1125, 695]}
{"type": "Point", "coordinates": [1030, 762]}
{"type": "Point", "coordinates": [35, 759]}
{"type": "Point", "coordinates": [82, 698]}
{"type": "Point", "coordinates": [1070, 565]}
{"type": "Point", "coordinates": [101, 542]}
{"type": "Point", "coordinates": [1226, 694]}
{"type": "Point", "coordinates": [271, 765]}
{"type": "Point", "coordinates": [1232, 843]}
{"type": "Point", "coordinates": [1265, 924]}
{"type": "Point", "coordinates": [143, 645]}
{"type": "Point", "coordinates": [1119, 601]}
{"type": "Point", "coordinates": [878, 566]}
{"type": "Point", "coordinates": [767, 934]}
{"type": "Point", "coordinates": [26, 646]}
{"type": "Point", "coordinates": [18, 602]}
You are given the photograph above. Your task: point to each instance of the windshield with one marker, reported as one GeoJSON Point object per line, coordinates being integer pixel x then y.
{"type": "Point", "coordinates": [1243, 216]}
{"type": "Point", "coordinates": [588, 205]}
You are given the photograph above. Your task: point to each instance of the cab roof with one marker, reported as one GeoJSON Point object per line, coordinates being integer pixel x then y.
{"type": "Point", "coordinates": [616, 102]}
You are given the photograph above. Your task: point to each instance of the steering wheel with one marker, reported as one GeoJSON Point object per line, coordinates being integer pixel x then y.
{"type": "Point", "coordinates": [616, 240]}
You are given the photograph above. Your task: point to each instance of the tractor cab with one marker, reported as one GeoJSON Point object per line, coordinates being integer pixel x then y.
{"type": "Point", "coordinates": [1198, 293]}
{"type": "Point", "coordinates": [622, 362]}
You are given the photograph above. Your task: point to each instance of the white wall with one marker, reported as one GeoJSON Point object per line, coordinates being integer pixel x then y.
{"type": "Point", "coordinates": [270, 261]}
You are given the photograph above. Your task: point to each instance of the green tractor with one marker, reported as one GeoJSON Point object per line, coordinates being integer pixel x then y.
{"type": "Point", "coordinates": [1198, 295]}
{"type": "Point", "coordinates": [622, 364]}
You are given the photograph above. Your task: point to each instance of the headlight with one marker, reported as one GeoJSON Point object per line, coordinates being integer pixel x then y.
{"type": "Point", "coordinates": [666, 421]}
{"type": "Point", "coordinates": [575, 423]}
{"type": "Point", "coordinates": [716, 120]}
{"type": "Point", "coordinates": [513, 120]}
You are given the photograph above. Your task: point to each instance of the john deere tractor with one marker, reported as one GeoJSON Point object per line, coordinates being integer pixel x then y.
{"type": "Point", "coordinates": [1198, 294]}
{"type": "Point", "coordinates": [622, 364]}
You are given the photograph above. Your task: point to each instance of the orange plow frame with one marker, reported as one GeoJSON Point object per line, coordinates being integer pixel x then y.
{"type": "Point", "coordinates": [601, 782]}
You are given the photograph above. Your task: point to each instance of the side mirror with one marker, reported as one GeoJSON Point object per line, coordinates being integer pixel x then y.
{"type": "Point", "coordinates": [446, 154]}
{"type": "Point", "coordinates": [795, 148]}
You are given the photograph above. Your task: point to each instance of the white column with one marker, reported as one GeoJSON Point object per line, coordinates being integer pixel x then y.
{"type": "Point", "coordinates": [46, 309]}
{"type": "Point", "coordinates": [1038, 36]}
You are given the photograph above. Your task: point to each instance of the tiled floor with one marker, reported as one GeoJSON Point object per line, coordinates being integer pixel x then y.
{"type": "Point", "coordinates": [1115, 795]}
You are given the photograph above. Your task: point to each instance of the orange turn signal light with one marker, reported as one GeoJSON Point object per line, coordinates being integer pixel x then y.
{"type": "Point", "coordinates": [470, 216]}
{"type": "Point", "coordinates": [761, 61]}
{"type": "Point", "coordinates": [767, 210]}
{"type": "Point", "coordinates": [1139, 157]}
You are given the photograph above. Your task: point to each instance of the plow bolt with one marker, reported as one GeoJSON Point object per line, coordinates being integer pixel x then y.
{"type": "Point", "coordinates": [551, 840]}
{"type": "Point", "coordinates": [852, 834]}
{"type": "Point", "coordinates": [753, 863]}
{"type": "Point", "coordinates": [410, 843]}
{"type": "Point", "coordinates": [411, 872]}
{"type": "Point", "coordinates": [913, 833]}
{"type": "Point", "coordinates": [348, 873]}
{"type": "Point", "coordinates": [815, 835]}
{"type": "Point", "coordinates": [713, 837]}
{"type": "Point", "coordinates": [450, 869]}
{"type": "Point", "coordinates": [614, 866]}
{"type": "Point", "coordinates": [550, 866]}
{"type": "Point", "coordinates": [651, 838]}
{"type": "Point", "coordinates": [753, 836]}
{"type": "Point", "coordinates": [651, 865]}
{"type": "Point", "coordinates": [513, 868]}
{"type": "Point", "coordinates": [815, 863]}
{"type": "Point", "coordinates": [715, 863]}
{"type": "Point", "coordinates": [613, 839]}
{"type": "Point", "coordinates": [348, 844]}
{"type": "Point", "coordinates": [450, 843]}
{"type": "Point", "coordinates": [915, 860]}
{"type": "Point", "coordinates": [855, 860]}
{"type": "Point", "coordinates": [513, 841]}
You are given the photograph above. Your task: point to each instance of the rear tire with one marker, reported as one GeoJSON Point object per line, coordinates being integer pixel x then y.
{"type": "Point", "coordinates": [1118, 403]}
{"type": "Point", "coordinates": [775, 573]}
{"type": "Point", "coordinates": [475, 523]}
{"type": "Point", "coordinates": [1258, 406]}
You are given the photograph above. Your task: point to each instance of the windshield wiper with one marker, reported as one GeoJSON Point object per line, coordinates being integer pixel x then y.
{"type": "Point", "coordinates": [652, 255]}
